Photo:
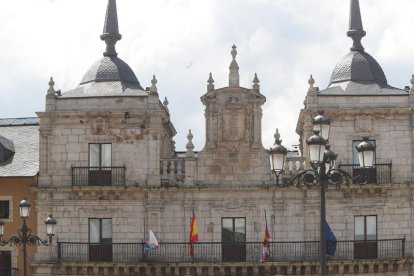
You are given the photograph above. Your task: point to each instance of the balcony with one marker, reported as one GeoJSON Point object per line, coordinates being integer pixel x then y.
{"type": "Point", "coordinates": [9, 271]}
{"type": "Point", "coordinates": [379, 174]}
{"type": "Point", "coordinates": [98, 176]}
{"type": "Point", "coordinates": [172, 171]}
{"type": "Point", "coordinates": [217, 252]}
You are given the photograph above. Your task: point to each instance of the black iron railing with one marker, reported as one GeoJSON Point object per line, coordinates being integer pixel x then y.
{"type": "Point", "coordinates": [379, 174]}
{"type": "Point", "coordinates": [217, 252]}
{"type": "Point", "coordinates": [98, 176]}
{"type": "Point", "coordinates": [9, 271]}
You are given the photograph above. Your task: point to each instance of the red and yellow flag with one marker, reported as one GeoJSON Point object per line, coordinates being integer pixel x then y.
{"type": "Point", "coordinates": [266, 246]}
{"type": "Point", "coordinates": [193, 233]}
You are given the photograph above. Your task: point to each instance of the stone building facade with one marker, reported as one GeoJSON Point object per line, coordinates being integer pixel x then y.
{"type": "Point", "coordinates": [109, 173]}
{"type": "Point", "coordinates": [19, 168]}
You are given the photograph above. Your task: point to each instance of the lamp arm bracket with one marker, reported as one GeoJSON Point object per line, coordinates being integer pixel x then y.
{"type": "Point", "coordinates": [312, 178]}
{"type": "Point", "coordinates": [14, 240]}
{"type": "Point", "coordinates": [338, 177]}
{"type": "Point", "coordinates": [30, 240]}
{"type": "Point", "coordinates": [306, 178]}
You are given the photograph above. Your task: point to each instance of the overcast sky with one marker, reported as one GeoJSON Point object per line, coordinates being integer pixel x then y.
{"type": "Point", "coordinates": [181, 41]}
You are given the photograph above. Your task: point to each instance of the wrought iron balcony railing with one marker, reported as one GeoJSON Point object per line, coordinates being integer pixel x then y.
{"type": "Point", "coordinates": [8, 271]}
{"type": "Point", "coordinates": [217, 252]}
{"type": "Point", "coordinates": [98, 176]}
{"type": "Point", "coordinates": [379, 174]}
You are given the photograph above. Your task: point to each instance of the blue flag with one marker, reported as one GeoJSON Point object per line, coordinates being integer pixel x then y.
{"type": "Point", "coordinates": [330, 241]}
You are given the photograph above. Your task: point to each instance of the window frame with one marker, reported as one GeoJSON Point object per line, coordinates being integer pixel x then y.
{"type": "Point", "coordinates": [11, 213]}
{"type": "Point", "coordinates": [365, 224]}
{"type": "Point", "coordinates": [6, 256]}
{"type": "Point", "coordinates": [100, 238]}
{"type": "Point", "coordinates": [6, 209]}
{"type": "Point", "coordinates": [233, 219]}
{"type": "Point", "coordinates": [100, 161]}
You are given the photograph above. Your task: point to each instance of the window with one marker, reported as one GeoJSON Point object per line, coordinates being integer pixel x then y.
{"type": "Point", "coordinates": [366, 228]}
{"type": "Point", "coordinates": [4, 209]}
{"type": "Point", "coordinates": [100, 173]}
{"type": "Point", "coordinates": [233, 236]}
{"type": "Point", "coordinates": [365, 235]}
{"type": "Point", "coordinates": [100, 240]}
{"type": "Point", "coordinates": [5, 263]}
{"type": "Point", "coordinates": [100, 155]}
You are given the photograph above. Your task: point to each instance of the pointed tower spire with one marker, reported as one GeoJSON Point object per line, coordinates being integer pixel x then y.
{"type": "Point", "coordinates": [234, 79]}
{"type": "Point", "coordinates": [210, 81]}
{"type": "Point", "coordinates": [110, 31]}
{"type": "Point", "coordinates": [356, 31]}
{"type": "Point", "coordinates": [256, 83]}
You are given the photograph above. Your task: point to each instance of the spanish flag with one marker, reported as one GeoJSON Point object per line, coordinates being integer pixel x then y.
{"type": "Point", "coordinates": [193, 234]}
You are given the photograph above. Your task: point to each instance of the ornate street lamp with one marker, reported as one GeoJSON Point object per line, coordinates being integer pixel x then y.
{"type": "Point", "coordinates": [24, 208]}
{"type": "Point", "coordinates": [25, 236]}
{"type": "Point", "coordinates": [277, 155]}
{"type": "Point", "coordinates": [316, 145]}
{"type": "Point", "coordinates": [322, 124]}
{"type": "Point", "coordinates": [324, 173]}
{"type": "Point", "coordinates": [366, 153]}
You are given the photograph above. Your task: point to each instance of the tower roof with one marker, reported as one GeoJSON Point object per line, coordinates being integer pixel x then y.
{"type": "Point", "coordinates": [109, 76]}
{"type": "Point", "coordinates": [357, 65]}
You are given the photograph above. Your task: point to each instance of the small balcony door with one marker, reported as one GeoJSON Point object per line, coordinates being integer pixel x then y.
{"type": "Point", "coordinates": [366, 245]}
{"type": "Point", "coordinates": [233, 237]}
{"type": "Point", "coordinates": [5, 263]}
{"type": "Point", "coordinates": [100, 240]}
{"type": "Point", "coordinates": [100, 162]}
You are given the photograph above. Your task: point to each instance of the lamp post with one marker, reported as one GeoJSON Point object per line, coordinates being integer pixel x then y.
{"type": "Point", "coordinates": [323, 172]}
{"type": "Point", "coordinates": [24, 234]}
{"type": "Point", "coordinates": [277, 156]}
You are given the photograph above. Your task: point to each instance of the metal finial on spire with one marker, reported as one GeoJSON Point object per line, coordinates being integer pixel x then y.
{"type": "Point", "coordinates": [234, 79]}
{"type": "Point", "coordinates": [356, 31]}
{"type": "Point", "coordinates": [154, 89]}
{"type": "Point", "coordinates": [210, 82]}
{"type": "Point", "coordinates": [110, 31]}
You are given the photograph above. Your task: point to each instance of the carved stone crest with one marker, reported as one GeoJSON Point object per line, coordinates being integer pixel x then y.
{"type": "Point", "coordinates": [363, 123]}
{"type": "Point", "coordinates": [233, 125]}
{"type": "Point", "coordinates": [99, 125]}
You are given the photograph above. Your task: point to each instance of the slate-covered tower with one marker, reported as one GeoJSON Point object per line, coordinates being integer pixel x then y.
{"type": "Point", "coordinates": [97, 141]}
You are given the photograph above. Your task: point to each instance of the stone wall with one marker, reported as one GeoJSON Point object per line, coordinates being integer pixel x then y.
{"type": "Point", "coordinates": [293, 213]}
